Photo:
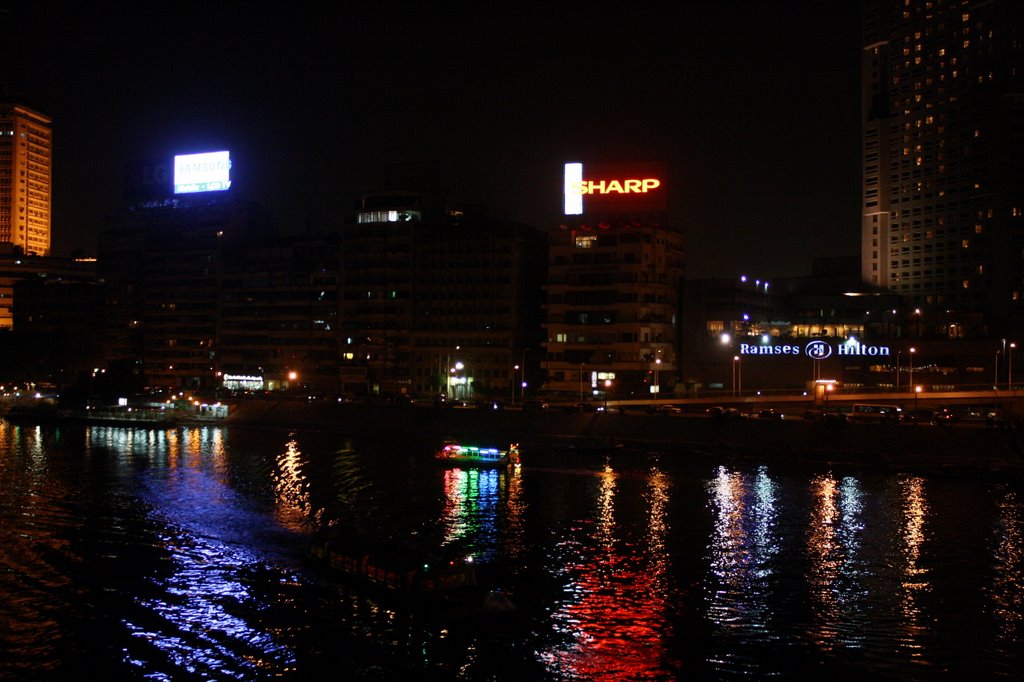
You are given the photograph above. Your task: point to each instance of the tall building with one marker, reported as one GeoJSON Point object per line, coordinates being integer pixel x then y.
{"type": "Point", "coordinates": [615, 276]}
{"type": "Point", "coordinates": [943, 155]}
{"type": "Point", "coordinates": [438, 300]}
{"type": "Point", "coordinates": [26, 178]}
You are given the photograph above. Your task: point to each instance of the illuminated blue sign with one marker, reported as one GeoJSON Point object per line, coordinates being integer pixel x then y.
{"type": "Point", "coordinates": [817, 349]}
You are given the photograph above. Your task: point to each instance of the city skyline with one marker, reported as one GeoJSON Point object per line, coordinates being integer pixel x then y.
{"type": "Point", "coordinates": [756, 111]}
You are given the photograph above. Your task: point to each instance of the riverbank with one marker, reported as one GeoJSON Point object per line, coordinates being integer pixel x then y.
{"type": "Point", "coordinates": [911, 447]}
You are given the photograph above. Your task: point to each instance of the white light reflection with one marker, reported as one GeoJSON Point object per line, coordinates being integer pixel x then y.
{"type": "Point", "coordinates": [1008, 573]}
{"type": "Point", "coordinates": [743, 547]}
{"type": "Point", "coordinates": [834, 549]}
{"type": "Point", "coordinates": [915, 511]}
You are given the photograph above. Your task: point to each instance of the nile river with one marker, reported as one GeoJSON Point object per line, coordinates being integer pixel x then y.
{"type": "Point", "coordinates": [178, 554]}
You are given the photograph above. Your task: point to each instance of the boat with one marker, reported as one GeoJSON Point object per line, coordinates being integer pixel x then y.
{"type": "Point", "coordinates": [396, 568]}
{"type": "Point", "coordinates": [453, 452]}
{"type": "Point", "coordinates": [589, 446]}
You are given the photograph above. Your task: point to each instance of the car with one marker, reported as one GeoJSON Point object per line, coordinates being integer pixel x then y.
{"type": "Point", "coordinates": [769, 413]}
{"type": "Point", "coordinates": [836, 417]}
{"type": "Point", "coordinates": [813, 415]}
{"type": "Point", "coordinates": [724, 413]}
{"type": "Point", "coordinates": [943, 415]}
{"type": "Point", "coordinates": [668, 409]}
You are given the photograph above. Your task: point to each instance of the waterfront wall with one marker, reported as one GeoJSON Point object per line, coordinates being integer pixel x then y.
{"type": "Point", "coordinates": [912, 446]}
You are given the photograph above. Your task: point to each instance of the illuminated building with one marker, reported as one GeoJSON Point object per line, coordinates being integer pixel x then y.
{"type": "Point", "coordinates": [26, 178]}
{"type": "Point", "coordinates": [614, 283]}
{"type": "Point", "coordinates": [943, 155]}
{"type": "Point", "coordinates": [277, 321]}
{"type": "Point", "coordinates": [437, 300]}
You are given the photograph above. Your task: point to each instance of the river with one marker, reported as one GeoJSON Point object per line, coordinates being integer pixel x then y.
{"type": "Point", "coordinates": [179, 554]}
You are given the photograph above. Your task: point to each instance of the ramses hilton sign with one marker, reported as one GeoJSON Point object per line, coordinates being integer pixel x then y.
{"type": "Point", "coordinates": [817, 349]}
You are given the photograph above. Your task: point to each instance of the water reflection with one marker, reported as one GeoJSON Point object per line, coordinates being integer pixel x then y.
{"type": "Point", "coordinates": [291, 487]}
{"type": "Point", "coordinates": [176, 554]}
{"type": "Point", "coordinates": [611, 618]}
{"type": "Point", "coordinates": [836, 565]}
{"type": "Point", "coordinates": [1007, 601]}
{"type": "Point", "coordinates": [201, 609]}
{"type": "Point", "coordinates": [742, 546]}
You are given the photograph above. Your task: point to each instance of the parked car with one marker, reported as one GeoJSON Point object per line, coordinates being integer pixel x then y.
{"type": "Point", "coordinates": [668, 409]}
{"type": "Point", "coordinates": [835, 417]}
{"type": "Point", "coordinates": [723, 413]}
{"type": "Point", "coordinates": [769, 414]}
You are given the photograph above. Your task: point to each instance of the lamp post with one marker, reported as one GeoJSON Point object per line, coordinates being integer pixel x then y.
{"type": "Point", "coordinates": [897, 371]}
{"type": "Point", "coordinates": [995, 378]}
{"type": "Point", "coordinates": [581, 382]}
{"type": "Point", "coordinates": [917, 391]}
{"type": "Point", "coordinates": [737, 377]}
{"type": "Point", "coordinates": [656, 389]}
{"type": "Point", "coordinates": [1009, 368]}
{"type": "Point", "coordinates": [514, 370]}
{"type": "Point", "coordinates": [522, 384]}
{"type": "Point", "coordinates": [911, 383]}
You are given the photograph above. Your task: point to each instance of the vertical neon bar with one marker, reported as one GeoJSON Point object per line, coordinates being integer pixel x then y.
{"type": "Point", "coordinates": [573, 197]}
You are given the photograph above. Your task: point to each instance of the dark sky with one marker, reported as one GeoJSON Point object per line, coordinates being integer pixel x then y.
{"type": "Point", "coordinates": [753, 105]}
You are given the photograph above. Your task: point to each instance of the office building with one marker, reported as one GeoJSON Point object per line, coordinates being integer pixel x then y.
{"type": "Point", "coordinates": [437, 300]}
{"type": "Point", "coordinates": [943, 156]}
{"type": "Point", "coordinates": [613, 310]}
{"type": "Point", "coordinates": [26, 178]}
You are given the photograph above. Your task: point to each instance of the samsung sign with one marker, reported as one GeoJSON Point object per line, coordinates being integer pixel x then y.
{"type": "Point", "coordinates": [207, 172]}
{"type": "Point", "coordinates": [817, 350]}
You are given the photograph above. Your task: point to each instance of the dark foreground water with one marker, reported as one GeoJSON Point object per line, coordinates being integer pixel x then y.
{"type": "Point", "coordinates": [178, 555]}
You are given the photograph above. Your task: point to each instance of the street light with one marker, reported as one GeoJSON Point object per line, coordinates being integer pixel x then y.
{"type": "Point", "coordinates": [912, 351]}
{"type": "Point", "coordinates": [514, 370]}
{"type": "Point", "coordinates": [917, 391]}
{"type": "Point", "coordinates": [737, 380]}
{"type": "Point", "coordinates": [1009, 368]}
{"type": "Point", "coordinates": [656, 389]}
{"type": "Point", "coordinates": [897, 371]}
{"type": "Point", "coordinates": [522, 385]}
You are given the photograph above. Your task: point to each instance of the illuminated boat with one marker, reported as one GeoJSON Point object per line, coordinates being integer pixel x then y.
{"type": "Point", "coordinates": [398, 569]}
{"type": "Point", "coordinates": [456, 453]}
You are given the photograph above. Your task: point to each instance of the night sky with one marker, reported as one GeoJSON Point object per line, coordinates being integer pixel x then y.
{"type": "Point", "coordinates": [753, 105]}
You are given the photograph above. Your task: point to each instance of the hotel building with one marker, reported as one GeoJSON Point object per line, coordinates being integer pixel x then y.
{"type": "Point", "coordinates": [26, 178]}
{"type": "Point", "coordinates": [943, 155]}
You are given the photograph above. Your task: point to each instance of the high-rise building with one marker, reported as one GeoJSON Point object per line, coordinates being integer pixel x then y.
{"type": "Point", "coordinates": [943, 155]}
{"type": "Point", "coordinates": [615, 275]}
{"type": "Point", "coordinates": [26, 178]}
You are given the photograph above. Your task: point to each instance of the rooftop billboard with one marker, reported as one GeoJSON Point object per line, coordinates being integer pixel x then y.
{"type": "Point", "coordinates": [206, 172]}
{"type": "Point", "coordinates": [614, 188]}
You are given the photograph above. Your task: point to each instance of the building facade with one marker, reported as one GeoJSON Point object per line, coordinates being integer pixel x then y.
{"type": "Point", "coordinates": [943, 155]}
{"type": "Point", "coordinates": [437, 301]}
{"type": "Point", "coordinates": [26, 178]}
{"type": "Point", "coordinates": [613, 310]}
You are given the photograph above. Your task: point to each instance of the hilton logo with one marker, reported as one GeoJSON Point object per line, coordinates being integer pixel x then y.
{"type": "Point", "coordinates": [818, 350]}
